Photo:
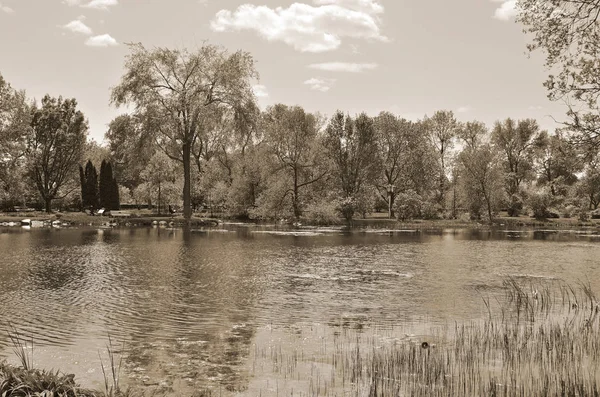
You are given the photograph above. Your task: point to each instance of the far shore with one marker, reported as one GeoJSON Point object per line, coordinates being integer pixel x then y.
{"type": "Point", "coordinates": [139, 218]}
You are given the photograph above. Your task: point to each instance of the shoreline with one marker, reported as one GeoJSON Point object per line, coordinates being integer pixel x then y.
{"type": "Point", "coordinates": [148, 220]}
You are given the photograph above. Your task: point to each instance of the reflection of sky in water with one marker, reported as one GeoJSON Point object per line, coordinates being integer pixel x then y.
{"type": "Point", "coordinates": [190, 305]}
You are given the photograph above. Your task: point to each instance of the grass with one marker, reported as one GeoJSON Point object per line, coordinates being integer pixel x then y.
{"type": "Point", "coordinates": [534, 340]}
{"type": "Point", "coordinates": [537, 340]}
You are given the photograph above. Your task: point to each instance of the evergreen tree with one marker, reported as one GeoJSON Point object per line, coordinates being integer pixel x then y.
{"type": "Point", "coordinates": [83, 187]}
{"type": "Point", "coordinates": [115, 200]}
{"type": "Point", "coordinates": [109, 189]}
{"type": "Point", "coordinates": [105, 184]}
{"type": "Point", "coordinates": [89, 186]}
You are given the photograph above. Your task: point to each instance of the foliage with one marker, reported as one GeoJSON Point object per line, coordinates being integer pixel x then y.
{"type": "Point", "coordinates": [21, 382]}
{"type": "Point", "coordinates": [322, 212]}
{"type": "Point", "coordinates": [14, 126]}
{"type": "Point", "coordinates": [541, 203]}
{"type": "Point", "coordinates": [291, 137]}
{"type": "Point", "coordinates": [131, 147]}
{"type": "Point", "coordinates": [108, 189]}
{"type": "Point", "coordinates": [442, 129]}
{"type": "Point", "coordinates": [161, 182]}
{"type": "Point", "coordinates": [482, 180]}
{"type": "Point", "coordinates": [177, 92]}
{"type": "Point", "coordinates": [89, 186]}
{"type": "Point", "coordinates": [55, 146]}
{"type": "Point", "coordinates": [408, 205]}
{"type": "Point", "coordinates": [352, 147]}
{"type": "Point", "coordinates": [515, 140]}
{"type": "Point", "coordinates": [568, 33]}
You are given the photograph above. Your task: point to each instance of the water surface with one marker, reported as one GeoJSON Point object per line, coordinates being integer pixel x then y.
{"type": "Point", "coordinates": [193, 307]}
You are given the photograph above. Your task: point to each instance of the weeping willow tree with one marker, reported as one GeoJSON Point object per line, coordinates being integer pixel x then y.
{"type": "Point", "coordinates": [176, 91]}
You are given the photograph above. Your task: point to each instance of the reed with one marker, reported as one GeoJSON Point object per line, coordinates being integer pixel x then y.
{"type": "Point", "coordinates": [537, 340]}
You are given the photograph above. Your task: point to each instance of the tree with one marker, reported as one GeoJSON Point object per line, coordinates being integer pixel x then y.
{"type": "Point", "coordinates": [130, 147]}
{"type": "Point", "coordinates": [515, 140]}
{"type": "Point", "coordinates": [442, 128]}
{"type": "Point", "coordinates": [392, 135]}
{"type": "Point", "coordinates": [176, 90]}
{"type": "Point", "coordinates": [292, 138]}
{"type": "Point", "coordinates": [556, 162]}
{"type": "Point", "coordinates": [160, 182]}
{"type": "Point", "coordinates": [89, 186]}
{"type": "Point", "coordinates": [352, 146]}
{"type": "Point", "coordinates": [55, 145]}
{"type": "Point", "coordinates": [108, 189]}
{"type": "Point", "coordinates": [14, 126]}
{"type": "Point", "coordinates": [481, 178]}
{"type": "Point", "coordinates": [568, 32]}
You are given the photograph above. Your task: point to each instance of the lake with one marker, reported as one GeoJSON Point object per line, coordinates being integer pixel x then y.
{"type": "Point", "coordinates": [225, 308]}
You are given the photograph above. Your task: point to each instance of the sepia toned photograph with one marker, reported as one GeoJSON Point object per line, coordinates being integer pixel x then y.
{"type": "Point", "coordinates": [299, 198]}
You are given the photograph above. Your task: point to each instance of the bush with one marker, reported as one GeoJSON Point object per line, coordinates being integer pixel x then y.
{"type": "Point", "coordinates": [347, 207]}
{"type": "Point", "coordinates": [322, 213]}
{"type": "Point", "coordinates": [430, 211]}
{"type": "Point", "coordinates": [515, 205]}
{"type": "Point", "coordinates": [540, 203]}
{"type": "Point", "coordinates": [568, 211]}
{"type": "Point", "coordinates": [408, 205]}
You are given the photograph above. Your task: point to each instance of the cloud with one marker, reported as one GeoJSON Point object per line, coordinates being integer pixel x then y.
{"type": "Point", "coordinates": [77, 26]}
{"type": "Point", "coordinates": [507, 10]}
{"type": "Point", "coordinates": [368, 6]}
{"type": "Point", "coordinates": [6, 9]}
{"type": "Point", "coordinates": [464, 109]}
{"type": "Point", "coordinates": [305, 27]}
{"type": "Point", "coordinates": [260, 91]}
{"type": "Point", "coordinates": [343, 67]}
{"type": "Point", "coordinates": [103, 40]}
{"type": "Point", "coordinates": [317, 84]}
{"type": "Point", "coordinates": [96, 4]}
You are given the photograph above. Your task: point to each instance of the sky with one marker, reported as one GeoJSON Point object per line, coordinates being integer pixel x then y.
{"type": "Point", "coordinates": [409, 57]}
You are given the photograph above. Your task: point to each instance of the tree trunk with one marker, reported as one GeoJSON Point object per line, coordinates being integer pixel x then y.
{"type": "Point", "coordinates": [295, 198]}
{"type": "Point", "coordinates": [48, 205]}
{"type": "Point", "coordinates": [187, 182]}
{"type": "Point", "coordinates": [159, 198]}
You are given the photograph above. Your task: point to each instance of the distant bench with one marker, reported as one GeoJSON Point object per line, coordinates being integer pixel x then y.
{"type": "Point", "coordinates": [120, 214]}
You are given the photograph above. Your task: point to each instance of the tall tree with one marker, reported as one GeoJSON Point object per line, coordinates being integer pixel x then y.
{"type": "Point", "coordinates": [108, 189]}
{"type": "Point", "coordinates": [442, 128]}
{"type": "Point", "coordinates": [556, 162]}
{"type": "Point", "coordinates": [352, 146]}
{"type": "Point", "coordinates": [515, 140]}
{"type": "Point", "coordinates": [160, 180]}
{"type": "Point", "coordinates": [481, 178]}
{"type": "Point", "coordinates": [130, 147]}
{"type": "Point", "coordinates": [176, 90]}
{"type": "Point", "coordinates": [89, 186]}
{"type": "Point", "coordinates": [292, 138]}
{"type": "Point", "coordinates": [393, 147]}
{"type": "Point", "coordinates": [568, 33]}
{"type": "Point", "coordinates": [55, 145]}
{"type": "Point", "coordinates": [14, 126]}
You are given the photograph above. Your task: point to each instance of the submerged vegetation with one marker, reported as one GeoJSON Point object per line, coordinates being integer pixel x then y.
{"type": "Point", "coordinates": [535, 340]}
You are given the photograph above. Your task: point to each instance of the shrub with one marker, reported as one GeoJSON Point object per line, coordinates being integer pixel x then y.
{"type": "Point", "coordinates": [540, 203]}
{"type": "Point", "coordinates": [322, 213]}
{"type": "Point", "coordinates": [515, 205]}
{"type": "Point", "coordinates": [347, 207]}
{"type": "Point", "coordinates": [408, 205]}
{"type": "Point", "coordinates": [430, 211]}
